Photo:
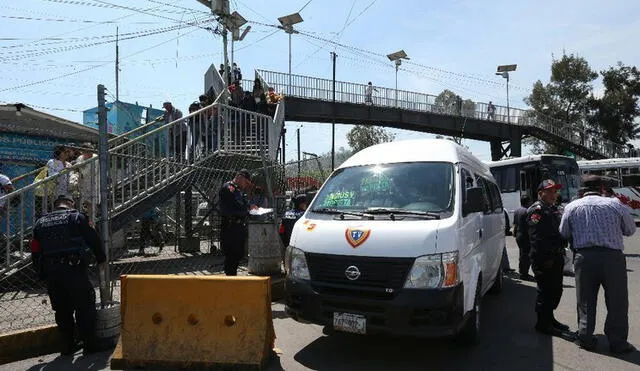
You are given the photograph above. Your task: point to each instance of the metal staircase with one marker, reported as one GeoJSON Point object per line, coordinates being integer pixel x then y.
{"type": "Point", "coordinates": [147, 169]}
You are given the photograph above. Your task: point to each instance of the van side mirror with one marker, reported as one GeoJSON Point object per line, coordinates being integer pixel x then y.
{"type": "Point", "coordinates": [474, 201]}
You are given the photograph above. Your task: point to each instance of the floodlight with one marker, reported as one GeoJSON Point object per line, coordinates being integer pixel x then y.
{"type": "Point", "coordinates": [397, 55]}
{"type": "Point", "coordinates": [507, 68]}
{"type": "Point", "coordinates": [290, 20]}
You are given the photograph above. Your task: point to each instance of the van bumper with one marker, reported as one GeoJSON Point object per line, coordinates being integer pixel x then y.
{"type": "Point", "coordinates": [431, 313]}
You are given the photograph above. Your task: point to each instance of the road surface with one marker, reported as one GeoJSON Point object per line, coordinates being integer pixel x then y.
{"type": "Point", "coordinates": [508, 339]}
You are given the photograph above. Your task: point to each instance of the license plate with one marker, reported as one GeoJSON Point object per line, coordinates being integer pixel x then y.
{"type": "Point", "coordinates": [348, 322]}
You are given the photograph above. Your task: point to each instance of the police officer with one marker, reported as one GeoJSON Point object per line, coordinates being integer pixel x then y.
{"type": "Point", "coordinates": [290, 218]}
{"type": "Point", "coordinates": [521, 232]}
{"type": "Point", "coordinates": [547, 256]}
{"type": "Point", "coordinates": [234, 211]}
{"type": "Point", "coordinates": [59, 250]}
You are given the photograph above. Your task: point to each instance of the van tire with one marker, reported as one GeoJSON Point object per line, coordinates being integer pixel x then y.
{"type": "Point", "coordinates": [498, 283]}
{"type": "Point", "coordinates": [469, 335]}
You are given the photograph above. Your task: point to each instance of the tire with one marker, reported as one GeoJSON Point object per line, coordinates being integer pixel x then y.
{"type": "Point", "coordinates": [498, 283]}
{"type": "Point", "coordinates": [469, 335]}
{"type": "Point", "coordinates": [107, 327]}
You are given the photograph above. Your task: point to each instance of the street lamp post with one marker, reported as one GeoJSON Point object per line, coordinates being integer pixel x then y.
{"type": "Point", "coordinates": [287, 23]}
{"type": "Point", "coordinates": [503, 71]}
{"type": "Point", "coordinates": [397, 57]}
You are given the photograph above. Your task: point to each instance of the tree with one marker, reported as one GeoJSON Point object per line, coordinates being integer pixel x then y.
{"type": "Point", "coordinates": [616, 112]}
{"type": "Point", "coordinates": [363, 136]}
{"type": "Point", "coordinates": [565, 99]}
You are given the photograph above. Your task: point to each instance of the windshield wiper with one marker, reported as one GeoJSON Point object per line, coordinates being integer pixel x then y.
{"type": "Point", "coordinates": [398, 211]}
{"type": "Point", "coordinates": [342, 213]}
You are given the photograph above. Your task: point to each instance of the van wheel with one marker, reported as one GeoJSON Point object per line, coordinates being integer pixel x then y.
{"type": "Point", "coordinates": [498, 283]}
{"type": "Point", "coordinates": [469, 335]}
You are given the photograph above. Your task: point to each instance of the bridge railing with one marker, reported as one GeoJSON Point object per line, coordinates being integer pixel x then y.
{"type": "Point", "coordinates": [347, 92]}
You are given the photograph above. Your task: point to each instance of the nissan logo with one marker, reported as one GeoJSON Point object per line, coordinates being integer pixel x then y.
{"type": "Point", "coordinates": [352, 273]}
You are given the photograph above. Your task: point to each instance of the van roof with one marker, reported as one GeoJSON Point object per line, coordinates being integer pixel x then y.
{"type": "Point", "coordinates": [417, 150]}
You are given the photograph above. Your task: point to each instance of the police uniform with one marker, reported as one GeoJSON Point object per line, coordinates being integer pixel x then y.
{"type": "Point", "coordinates": [290, 218]}
{"type": "Point", "coordinates": [547, 260]}
{"type": "Point", "coordinates": [59, 249]}
{"type": "Point", "coordinates": [234, 211]}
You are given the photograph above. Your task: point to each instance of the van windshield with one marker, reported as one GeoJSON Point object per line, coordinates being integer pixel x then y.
{"type": "Point", "coordinates": [415, 186]}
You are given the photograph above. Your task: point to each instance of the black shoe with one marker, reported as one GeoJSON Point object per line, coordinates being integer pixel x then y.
{"type": "Point", "coordinates": [559, 325]}
{"type": "Point", "coordinates": [548, 329]}
{"type": "Point", "coordinates": [586, 344]}
{"type": "Point", "coordinates": [526, 277]}
{"type": "Point", "coordinates": [71, 349]}
{"type": "Point", "coordinates": [628, 348]}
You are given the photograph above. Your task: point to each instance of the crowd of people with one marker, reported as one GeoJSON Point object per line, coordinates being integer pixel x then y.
{"type": "Point", "coordinates": [592, 225]}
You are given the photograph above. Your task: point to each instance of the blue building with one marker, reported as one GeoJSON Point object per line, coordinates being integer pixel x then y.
{"type": "Point", "coordinates": [121, 117]}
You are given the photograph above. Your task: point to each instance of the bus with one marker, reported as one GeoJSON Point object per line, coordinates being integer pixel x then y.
{"type": "Point", "coordinates": [522, 175]}
{"type": "Point", "coordinates": [624, 177]}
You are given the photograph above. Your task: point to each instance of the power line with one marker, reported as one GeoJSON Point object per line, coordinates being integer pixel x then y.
{"type": "Point", "coordinates": [89, 68]}
{"type": "Point", "coordinates": [41, 19]}
{"type": "Point", "coordinates": [85, 28]}
{"type": "Point", "coordinates": [304, 6]}
{"type": "Point", "coordinates": [35, 53]}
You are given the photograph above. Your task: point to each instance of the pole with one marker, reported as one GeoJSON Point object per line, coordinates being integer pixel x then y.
{"type": "Point", "coordinates": [232, 44]}
{"type": "Point", "coordinates": [298, 134]}
{"type": "Point", "coordinates": [397, 65]}
{"type": "Point", "coordinates": [508, 113]}
{"type": "Point", "coordinates": [290, 31]}
{"type": "Point", "coordinates": [333, 116]}
{"type": "Point", "coordinates": [103, 159]}
{"type": "Point", "coordinates": [117, 68]}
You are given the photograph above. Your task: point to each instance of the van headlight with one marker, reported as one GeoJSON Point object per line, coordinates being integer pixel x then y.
{"type": "Point", "coordinates": [296, 264]}
{"type": "Point", "coordinates": [434, 271]}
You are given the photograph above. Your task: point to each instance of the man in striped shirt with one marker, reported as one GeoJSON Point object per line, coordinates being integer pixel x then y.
{"type": "Point", "coordinates": [595, 225]}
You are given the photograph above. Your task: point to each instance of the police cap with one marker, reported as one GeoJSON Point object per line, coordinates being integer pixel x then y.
{"type": "Point", "coordinates": [548, 184]}
{"type": "Point", "coordinates": [245, 173]}
{"type": "Point", "coordinates": [63, 199]}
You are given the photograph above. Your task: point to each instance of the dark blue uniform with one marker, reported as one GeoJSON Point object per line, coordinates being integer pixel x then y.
{"type": "Point", "coordinates": [234, 212]}
{"type": "Point", "coordinates": [60, 252]}
{"type": "Point", "coordinates": [521, 225]}
{"type": "Point", "coordinates": [289, 219]}
{"type": "Point", "coordinates": [547, 257]}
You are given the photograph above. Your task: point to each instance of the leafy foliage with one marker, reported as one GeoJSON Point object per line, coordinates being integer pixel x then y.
{"type": "Point", "coordinates": [363, 136]}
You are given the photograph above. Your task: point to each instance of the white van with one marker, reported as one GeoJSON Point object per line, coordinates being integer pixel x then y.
{"type": "Point", "coordinates": [404, 238]}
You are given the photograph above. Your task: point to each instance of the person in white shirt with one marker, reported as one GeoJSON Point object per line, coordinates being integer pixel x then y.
{"type": "Point", "coordinates": [58, 163]}
{"type": "Point", "coordinates": [6, 187]}
{"type": "Point", "coordinates": [368, 93]}
{"type": "Point", "coordinates": [88, 180]}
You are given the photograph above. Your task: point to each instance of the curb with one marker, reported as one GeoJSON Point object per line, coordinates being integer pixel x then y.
{"type": "Point", "coordinates": [39, 341]}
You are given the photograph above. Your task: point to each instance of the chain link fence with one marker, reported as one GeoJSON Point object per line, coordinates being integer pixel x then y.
{"type": "Point", "coordinates": [163, 181]}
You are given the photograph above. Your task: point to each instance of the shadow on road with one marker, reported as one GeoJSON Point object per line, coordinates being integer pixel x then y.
{"type": "Point", "coordinates": [96, 361]}
{"type": "Point", "coordinates": [510, 344]}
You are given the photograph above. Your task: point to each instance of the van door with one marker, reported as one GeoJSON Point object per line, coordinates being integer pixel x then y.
{"type": "Point", "coordinates": [492, 229]}
{"type": "Point", "coordinates": [471, 254]}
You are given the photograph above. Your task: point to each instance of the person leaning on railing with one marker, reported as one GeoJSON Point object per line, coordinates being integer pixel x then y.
{"type": "Point", "coordinates": [6, 187]}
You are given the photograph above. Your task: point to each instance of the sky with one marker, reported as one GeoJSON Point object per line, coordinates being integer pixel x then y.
{"type": "Point", "coordinates": [54, 53]}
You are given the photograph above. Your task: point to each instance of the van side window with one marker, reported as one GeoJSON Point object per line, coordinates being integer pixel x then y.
{"type": "Point", "coordinates": [496, 199]}
{"type": "Point", "coordinates": [465, 177]}
{"type": "Point", "coordinates": [486, 193]}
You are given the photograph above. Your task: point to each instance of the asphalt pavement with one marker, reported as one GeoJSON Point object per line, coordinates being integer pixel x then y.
{"type": "Point", "coordinates": [508, 339]}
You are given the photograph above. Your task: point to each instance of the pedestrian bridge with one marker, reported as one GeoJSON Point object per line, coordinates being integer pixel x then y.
{"type": "Point", "coordinates": [310, 99]}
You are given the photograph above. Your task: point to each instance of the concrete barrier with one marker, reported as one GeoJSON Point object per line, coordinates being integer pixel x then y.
{"type": "Point", "coordinates": [39, 341]}
{"type": "Point", "coordinates": [194, 322]}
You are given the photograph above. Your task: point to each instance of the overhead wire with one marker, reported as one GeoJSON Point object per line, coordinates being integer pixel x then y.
{"type": "Point", "coordinates": [85, 28]}
{"type": "Point", "coordinates": [36, 53]}
{"type": "Point", "coordinates": [87, 69]}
